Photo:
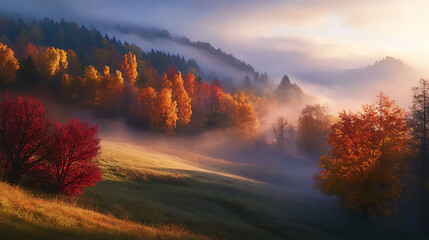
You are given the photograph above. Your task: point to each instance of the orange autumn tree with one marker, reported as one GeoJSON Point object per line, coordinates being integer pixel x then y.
{"type": "Point", "coordinates": [243, 115]}
{"type": "Point", "coordinates": [8, 64]}
{"type": "Point", "coordinates": [183, 100]}
{"type": "Point", "coordinates": [190, 86]}
{"type": "Point", "coordinates": [128, 67]}
{"type": "Point", "coordinates": [368, 157]}
{"type": "Point", "coordinates": [164, 112]}
{"type": "Point", "coordinates": [146, 100]}
{"type": "Point", "coordinates": [110, 90]}
{"type": "Point", "coordinates": [165, 82]}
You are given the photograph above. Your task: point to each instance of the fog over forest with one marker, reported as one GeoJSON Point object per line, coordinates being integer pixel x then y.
{"type": "Point", "coordinates": [320, 65]}
{"type": "Point", "coordinates": [214, 120]}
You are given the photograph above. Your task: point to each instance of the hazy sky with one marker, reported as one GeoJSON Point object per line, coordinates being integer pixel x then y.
{"type": "Point", "coordinates": [341, 33]}
{"type": "Point", "coordinates": [287, 36]}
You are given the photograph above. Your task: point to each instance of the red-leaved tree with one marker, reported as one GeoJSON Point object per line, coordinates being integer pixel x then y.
{"type": "Point", "coordinates": [368, 157]}
{"type": "Point", "coordinates": [71, 168]}
{"type": "Point", "coordinates": [25, 136]}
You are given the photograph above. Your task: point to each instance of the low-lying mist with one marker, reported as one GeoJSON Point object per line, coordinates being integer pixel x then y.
{"type": "Point", "coordinates": [227, 151]}
{"type": "Point", "coordinates": [288, 175]}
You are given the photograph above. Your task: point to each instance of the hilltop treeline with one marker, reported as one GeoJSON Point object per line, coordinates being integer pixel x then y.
{"type": "Point", "coordinates": [88, 43]}
{"type": "Point", "coordinates": [220, 55]}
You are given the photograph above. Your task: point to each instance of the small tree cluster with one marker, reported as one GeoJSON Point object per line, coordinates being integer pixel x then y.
{"type": "Point", "coordinates": [313, 129]}
{"type": "Point", "coordinates": [48, 60]}
{"type": "Point", "coordinates": [32, 147]}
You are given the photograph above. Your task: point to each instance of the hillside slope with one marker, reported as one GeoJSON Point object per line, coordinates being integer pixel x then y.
{"type": "Point", "coordinates": [180, 195]}
{"type": "Point", "coordinates": [153, 187]}
{"type": "Point", "coordinates": [23, 216]}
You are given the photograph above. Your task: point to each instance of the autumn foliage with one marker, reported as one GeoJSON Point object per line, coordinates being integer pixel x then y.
{"type": "Point", "coordinates": [135, 89]}
{"type": "Point", "coordinates": [368, 157]}
{"type": "Point", "coordinates": [164, 115]}
{"type": "Point", "coordinates": [31, 146]}
{"type": "Point", "coordinates": [129, 69]}
{"type": "Point", "coordinates": [71, 167]}
{"type": "Point", "coordinates": [8, 64]}
{"type": "Point", "coordinates": [146, 100]}
{"type": "Point", "coordinates": [183, 100]}
{"type": "Point", "coordinates": [25, 136]}
{"type": "Point", "coordinates": [48, 60]}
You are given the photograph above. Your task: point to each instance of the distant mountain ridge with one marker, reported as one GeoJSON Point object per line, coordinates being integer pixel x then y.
{"type": "Point", "coordinates": [385, 69]}
{"type": "Point", "coordinates": [389, 64]}
{"type": "Point", "coordinates": [389, 75]}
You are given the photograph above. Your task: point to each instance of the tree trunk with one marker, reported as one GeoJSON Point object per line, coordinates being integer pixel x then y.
{"type": "Point", "coordinates": [13, 177]}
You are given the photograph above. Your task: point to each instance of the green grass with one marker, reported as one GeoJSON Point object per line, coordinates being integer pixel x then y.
{"type": "Point", "coordinates": [157, 188]}
{"type": "Point", "coordinates": [148, 193]}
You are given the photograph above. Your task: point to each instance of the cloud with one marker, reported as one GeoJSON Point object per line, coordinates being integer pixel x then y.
{"type": "Point", "coordinates": [296, 54]}
{"type": "Point", "coordinates": [209, 66]}
{"type": "Point", "coordinates": [391, 27]}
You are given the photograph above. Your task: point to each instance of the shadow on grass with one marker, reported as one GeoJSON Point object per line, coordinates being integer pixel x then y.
{"type": "Point", "coordinates": [228, 208]}
{"type": "Point", "coordinates": [207, 204]}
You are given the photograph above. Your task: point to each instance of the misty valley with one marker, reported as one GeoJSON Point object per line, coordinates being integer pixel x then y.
{"type": "Point", "coordinates": [112, 127]}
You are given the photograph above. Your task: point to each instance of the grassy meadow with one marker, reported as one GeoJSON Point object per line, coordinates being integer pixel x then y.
{"type": "Point", "coordinates": [160, 187]}
{"type": "Point", "coordinates": [150, 194]}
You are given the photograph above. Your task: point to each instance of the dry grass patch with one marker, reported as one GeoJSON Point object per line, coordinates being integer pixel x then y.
{"type": "Point", "coordinates": [23, 215]}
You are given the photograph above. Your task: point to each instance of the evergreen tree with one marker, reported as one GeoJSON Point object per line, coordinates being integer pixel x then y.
{"type": "Point", "coordinates": [28, 75]}
{"type": "Point", "coordinates": [419, 124]}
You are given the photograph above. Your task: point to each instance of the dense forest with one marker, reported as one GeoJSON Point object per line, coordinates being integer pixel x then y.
{"type": "Point", "coordinates": [89, 44]}
{"type": "Point", "coordinates": [121, 79]}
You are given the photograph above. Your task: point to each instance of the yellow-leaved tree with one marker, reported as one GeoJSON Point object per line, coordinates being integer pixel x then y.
{"type": "Point", "coordinates": [8, 64]}
{"type": "Point", "coordinates": [91, 83]}
{"type": "Point", "coordinates": [49, 61]}
{"type": "Point", "coordinates": [128, 67]}
{"type": "Point", "coordinates": [243, 114]}
{"type": "Point", "coordinates": [54, 60]}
